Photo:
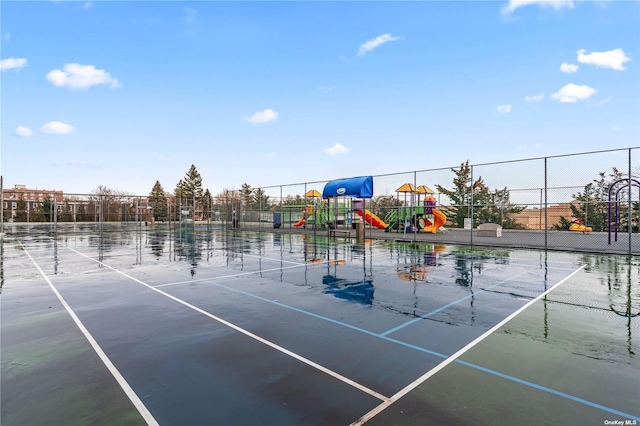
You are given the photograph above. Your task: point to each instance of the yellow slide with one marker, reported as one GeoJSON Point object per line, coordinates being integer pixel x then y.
{"type": "Point", "coordinates": [439, 218]}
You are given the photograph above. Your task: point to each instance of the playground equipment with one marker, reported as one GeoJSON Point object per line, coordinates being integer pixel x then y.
{"type": "Point", "coordinates": [432, 218]}
{"type": "Point", "coordinates": [359, 187]}
{"type": "Point", "coordinates": [335, 211]}
{"type": "Point", "coordinates": [423, 216]}
{"type": "Point", "coordinates": [370, 217]}
{"type": "Point", "coordinates": [298, 215]}
{"type": "Point", "coordinates": [618, 186]}
{"type": "Point", "coordinates": [579, 226]}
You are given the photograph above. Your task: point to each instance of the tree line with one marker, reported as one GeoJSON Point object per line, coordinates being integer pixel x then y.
{"type": "Point", "coordinates": [467, 198]}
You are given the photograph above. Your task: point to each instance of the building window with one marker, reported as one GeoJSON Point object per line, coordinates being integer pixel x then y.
{"type": "Point", "coordinates": [14, 205]}
{"type": "Point", "coordinates": [5, 205]}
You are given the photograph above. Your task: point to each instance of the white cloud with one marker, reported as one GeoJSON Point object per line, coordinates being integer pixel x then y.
{"type": "Point", "coordinates": [336, 149]}
{"type": "Point", "coordinates": [87, 5]}
{"type": "Point", "coordinates": [77, 76]}
{"type": "Point", "coordinates": [372, 44]}
{"type": "Point", "coordinates": [538, 145]}
{"type": "Point", "coordinates": [10, 63]}
{"type": "Point", "coordinates": [504, 109]}
{"type": "Point", "coordinates": [610, 59]}
{"type": "Point", "coordinates": [569, 68]}
{"type": "Point", "coordinates": [57, 128]}
{"type": "Point", "coordinates": [23, 131]}
{"type": "Point", "coordinates": [81, 163]}
{"type": "Point", "coordinates": [605, 101]}
{"type": "Point", "coordinates": [534, 98]}
{"type": "Point", "coordinates": [6, 36]}
{"type": "Point", "coordinates": [555, 4]}
{"type": "Point", "coordinates": [572, 92]}
{"type": "Point", "coordinates": [262, 116]}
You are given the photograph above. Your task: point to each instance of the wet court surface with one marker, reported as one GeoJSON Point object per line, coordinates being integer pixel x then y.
{"type": "Point", "coordinates": [210, 328]}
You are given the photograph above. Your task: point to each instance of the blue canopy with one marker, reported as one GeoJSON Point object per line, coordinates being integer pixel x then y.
{"type": "Point", "coordinates": [361, 187]}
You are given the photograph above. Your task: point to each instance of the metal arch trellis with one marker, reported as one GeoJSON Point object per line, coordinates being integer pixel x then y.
{"type": "Point", "coordinates": [630, 183]}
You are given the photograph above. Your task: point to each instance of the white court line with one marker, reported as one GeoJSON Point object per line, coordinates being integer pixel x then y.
{"type": "Point", "coordinates": [142, 409]}
{"type": "Point", "coordinates": [386, 404]}
{"type": "Point", "coordinates": [246, 332]}
{"type": "Point", "coordinates": [228, 276]}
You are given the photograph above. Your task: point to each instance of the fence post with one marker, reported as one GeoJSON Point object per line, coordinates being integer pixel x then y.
{"type": "Point", "coordinates": [630, 205]}
{"type": "Point", "coordinates": [414, 215]}
{"type": "Point", "coordinates": [546, 205]}
{"type": "Point", "coordinates": [55, 212]}
{"type": "Point", "coordinates": [471, 201]}
{"type": "Point", "coordinates": [1, 206]}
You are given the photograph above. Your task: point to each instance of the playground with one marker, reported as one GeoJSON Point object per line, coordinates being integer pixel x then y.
{"type": "Point", "coordinates": [343, 203]}
{"type": "Point", "coordinates": [414, 215]}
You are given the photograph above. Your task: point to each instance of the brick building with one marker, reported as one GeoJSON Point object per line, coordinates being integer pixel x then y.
{"type": "Point", "coordinates": [534, 218]}
{"type": "Point", "coordinates": [34, 200]}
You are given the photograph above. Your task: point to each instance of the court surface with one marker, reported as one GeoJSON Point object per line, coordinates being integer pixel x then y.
{"type": "Point", "coordinates": [205, 327]}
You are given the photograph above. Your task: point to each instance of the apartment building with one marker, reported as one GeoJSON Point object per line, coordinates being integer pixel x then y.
{"type": "Point", "coordinates": [70, 208]}
{"type": "Point", "coordinates": [33, 198]}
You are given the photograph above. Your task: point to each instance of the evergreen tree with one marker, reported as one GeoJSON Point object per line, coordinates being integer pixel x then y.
{"type": "Point", "coordinates": [495, 207]}
{"type": "Point", "coordinates": [46, 209]}
{"type": "Point", "coordinates": [261, 199]}
{"type": "Point", "coordinates": [246, 192]}
{"type": "Point", "coordinates": [293, 201]}
{"type": "Point", "coordinates": [21, 210]}
{"type": "Point", "coordinates": [188, 192]}
{"type": "Point", "coordinates": [158, 201]}
{"type": "Point", "coordinates": [460, 196]}
{"type": "Point", "coordinates": [191, 186]}
{"type": "Point", "coordinates": [207, 204]}
{"type": "Point", "coordinates": [591, 205]}
{"type": "Point", "coordinates": [488, 206]}
{"type": "Point", "coordinates": [65, 215]}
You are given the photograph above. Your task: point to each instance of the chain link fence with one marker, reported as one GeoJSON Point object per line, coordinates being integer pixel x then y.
{"type": "Point", "coordinates": [583, 202]}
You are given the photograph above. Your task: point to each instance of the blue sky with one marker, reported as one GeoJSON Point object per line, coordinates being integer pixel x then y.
{"type": "Point", "coordinates": [122, 94]}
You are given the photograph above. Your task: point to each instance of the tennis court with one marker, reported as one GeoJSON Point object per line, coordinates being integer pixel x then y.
{"type": "Point", "coordinates": [197, 326]}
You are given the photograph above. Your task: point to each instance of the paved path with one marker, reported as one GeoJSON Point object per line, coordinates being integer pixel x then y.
{"type": "Point", "coordinates": [593, 242]}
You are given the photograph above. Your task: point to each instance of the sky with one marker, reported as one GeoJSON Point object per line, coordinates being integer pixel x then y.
{"type": "Point", "coordinates": [124, 94]}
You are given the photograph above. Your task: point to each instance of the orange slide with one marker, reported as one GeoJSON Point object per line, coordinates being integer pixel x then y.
{"type": "Point", "coordinates": [299, 223]}
{"type": "Point", "coordinates": [439, 218]}
{"type": "Point", "coordinates": [372, 219]}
